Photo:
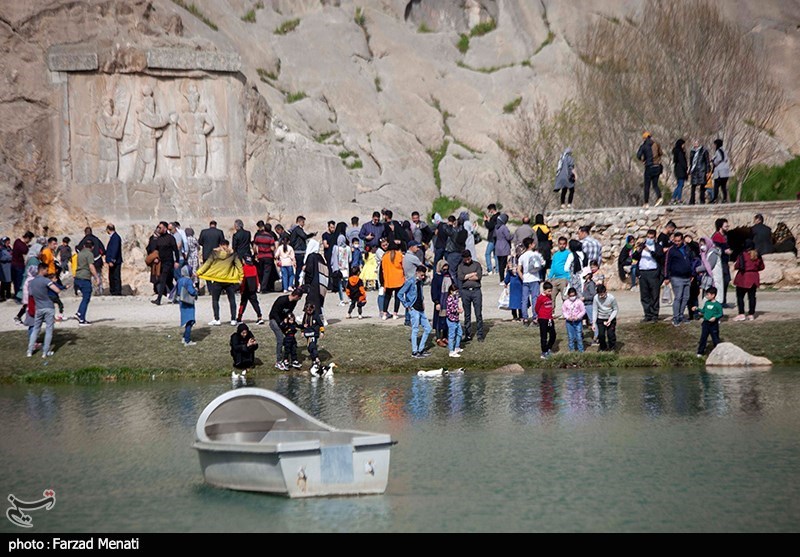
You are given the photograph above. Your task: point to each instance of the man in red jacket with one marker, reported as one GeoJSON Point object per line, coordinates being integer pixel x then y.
{"type": "Point", "coordinates": [18, 253]}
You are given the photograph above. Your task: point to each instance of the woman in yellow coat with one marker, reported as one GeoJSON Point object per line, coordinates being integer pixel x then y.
{"type": "Point", "coordinates": [222, 271]}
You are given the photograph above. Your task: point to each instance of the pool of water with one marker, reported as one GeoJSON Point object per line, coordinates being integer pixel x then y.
{"type": "Point", "coordinates": [571, 451]}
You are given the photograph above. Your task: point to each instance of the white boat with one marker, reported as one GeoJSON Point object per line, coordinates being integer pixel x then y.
{"type": "Point", "coordinates": [257, 440]}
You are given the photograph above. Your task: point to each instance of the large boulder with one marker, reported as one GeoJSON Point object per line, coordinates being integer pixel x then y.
{"type": "Point", "coordinates": [511, 368]}
{"type": "Point", "coordinates": [727, 354]}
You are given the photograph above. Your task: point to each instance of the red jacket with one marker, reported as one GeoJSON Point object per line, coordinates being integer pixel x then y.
{"type": "Point", "coordinates": [748, 268]}
{"type": "Point", "coordinates": [544, 307]}
{"type": "Point", "coordinates": [250, 282]}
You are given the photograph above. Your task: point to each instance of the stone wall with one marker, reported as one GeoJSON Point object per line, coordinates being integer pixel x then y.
{"type": "Point", "coordinates": [611, 225]}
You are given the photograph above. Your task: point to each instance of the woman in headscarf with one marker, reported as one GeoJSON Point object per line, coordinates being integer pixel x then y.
{"type": "Point", "coordinates": [187, 294]}
{"type": "Point", "coordinates": [566, 178]}
{"type": "Point", "coordinates": [544, 241]}
{"type": "Point", "coordinates": [192, 251]}
{"type": "Point", "coordinates": [783, 240]}
{"type": "Point", "coordinates": [316, 279]}
{"type": "Point", "coordinates": [575, 263]}
{"type": "Point", "coordinates": [709, 272]}
{"type": "Point", "coordinates": [440, 283]}
{"type": "Point", "coordinates": [502, 243]}
{"type": "Point", "coordinates": [748, 266]}
{"type": "Point", "coordinates": [243, 347]}
{"type": "Point", "coordinates": [5, 269]}
{"type": "Point", "coordinates": [464, 217]}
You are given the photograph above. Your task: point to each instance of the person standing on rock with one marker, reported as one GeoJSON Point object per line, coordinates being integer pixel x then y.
{"type": "Point", "coordinates": [762, 235]}
{"type": "Point", "coordinates": [650, 155]}
{"type": "Point", "coordinates": [114, 261]}
{"type": "Point", "coordinates": [566, 178]}
{"type": "Point", "coordinates": [699, 170]}
{"type": "Point", "coordinates": [679, 264]}
{"type": "Point", "coordinates": [223, 272]}
{"type": "Point", "coordinates": [681, 169]}
{"type": "Point", "coordinates": [210, 238]}
{"type": "Point", "coordinates": [722, 172]}
{"type": "Point", "coordinates": [490, 222]}
{"type": "Point", "coordinates": [649, 255]}
{"type": "Point", "coordinates": [242, 244]}
{"type": "Point", "coordinates": [298, 238]}
{"type": "Point", "coordinates": [748, 266]}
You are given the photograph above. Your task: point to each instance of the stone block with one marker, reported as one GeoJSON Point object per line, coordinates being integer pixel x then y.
{"type": "Point", "coordinates": [63, 59]}
{"type": "Point", "coordinates": [727, 354]}
{"type": "Point", "coordinates": [772, 273]}
{"type": "Point", "coordinates": [188, 59]}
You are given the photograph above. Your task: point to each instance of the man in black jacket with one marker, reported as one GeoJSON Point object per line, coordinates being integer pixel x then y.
{"type": "Point", "coordinates": [298, 238]}
{"type": "Point", "coordinates": [281, 308]}
{"type": "Point", "coordinates": [242, 242]}
{"type": "Point", "coordinates": [210, 238]}
{"type": "Point", "coordinates": [393, 232]}
{"type": "Point", "coordinates": [650, 154]}
{"type": "Point", "coordinates": [169, 256]}
{"type": "Point", "coordinates": [490, 222]}
{"type": "Point", "coordinates": [98, 249]}
{"type": "Point", "coordinates": [762, 236]}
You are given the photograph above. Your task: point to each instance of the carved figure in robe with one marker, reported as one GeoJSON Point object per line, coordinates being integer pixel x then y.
{"type": "Point", "coordinates": [109, 124]}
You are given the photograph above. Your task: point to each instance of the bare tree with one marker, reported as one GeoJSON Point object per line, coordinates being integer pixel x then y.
{"type": "Point", "coordinates": [680, 70]}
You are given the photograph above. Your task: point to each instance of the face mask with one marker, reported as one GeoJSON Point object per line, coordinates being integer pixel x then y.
{"type": "Point", "coordinates": [703, 248]}
{"type": "Point", "coordinates": [573, 298]}
{"type": "Point", "coordinates": [650, 242]}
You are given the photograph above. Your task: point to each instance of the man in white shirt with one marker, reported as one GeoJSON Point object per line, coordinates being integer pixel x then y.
{"type": "Point", "coordinates": [528, 267]}
{"type": "Point", "coordinates": [649, 254]}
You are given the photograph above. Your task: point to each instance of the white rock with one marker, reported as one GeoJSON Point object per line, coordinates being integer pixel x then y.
{"type": "Point", "coordinates": [727, 354]}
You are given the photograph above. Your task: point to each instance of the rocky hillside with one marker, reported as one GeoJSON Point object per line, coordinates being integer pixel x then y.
{"type": "Point", "coordinates": [372, 103]}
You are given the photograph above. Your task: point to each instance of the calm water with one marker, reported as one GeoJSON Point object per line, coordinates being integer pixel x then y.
{"type": "Point", "coordinates": [482, 452]}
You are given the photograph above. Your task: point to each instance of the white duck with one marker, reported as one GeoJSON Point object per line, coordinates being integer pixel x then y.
{"type": "Point", "coordinates": [440, 372]}
{"type": "Point", "coordinates": [238, 379]}
{"type": "Point", "coordinates": [326, 371]}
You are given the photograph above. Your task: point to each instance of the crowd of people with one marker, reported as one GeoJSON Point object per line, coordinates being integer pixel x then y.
{"type": "Point", "coordinates": [395, 260]}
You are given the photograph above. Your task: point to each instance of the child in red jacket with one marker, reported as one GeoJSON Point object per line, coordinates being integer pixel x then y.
{"type": "Point", "coordinates": [249, 289]}
{"type": "Point", "coordinates": [544, 314]}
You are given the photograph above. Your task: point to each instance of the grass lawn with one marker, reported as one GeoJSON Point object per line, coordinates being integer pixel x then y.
{"type": "Point", "coordinates": [96, 354]}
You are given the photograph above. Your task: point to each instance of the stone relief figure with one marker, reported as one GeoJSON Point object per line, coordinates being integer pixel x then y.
{"type": "Point", "coordinates": [109, 124]}
{"type": "Point", "coordinates": [170, 147]}
{"type": "Point", "coordinates": [151, 125]}
{"type": "Point", "coordinates": [196, 124]}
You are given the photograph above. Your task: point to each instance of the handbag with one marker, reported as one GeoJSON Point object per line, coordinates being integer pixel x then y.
{"type": "Point", "coordinates": [666, 294]}
{"type": "Point", "coordinates": [505, 299]}
{"type": "Point", "coordinates": [184, 297]}
{"type": "Point", "coordinates": [477, 237]}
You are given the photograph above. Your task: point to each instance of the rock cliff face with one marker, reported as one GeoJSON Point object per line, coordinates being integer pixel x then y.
{"type": "Point", "coordinates": [272, 108]}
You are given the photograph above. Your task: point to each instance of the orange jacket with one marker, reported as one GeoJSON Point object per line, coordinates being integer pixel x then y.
{"type": "Point", "coordinates": [393, 276]}
{"type": "Point", "coordinates": [355, 289]}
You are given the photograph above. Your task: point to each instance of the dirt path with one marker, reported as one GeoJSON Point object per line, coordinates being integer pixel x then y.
{"type": "Point", "coordinates": [139, 312]}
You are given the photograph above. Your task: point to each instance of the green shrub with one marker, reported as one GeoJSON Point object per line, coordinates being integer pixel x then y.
{"type": "Point", "coordinates": [772, 183]}
{"type": "Point", "coordinates": [436, 157]}
{"type": "Point", "coordinates": [360, 17]}
{"type": "Point", "coordinates": [482, 28]}
{"type": "Point", "coordinates": [423, 28]}
{"type": "Point", "coordinates": [463, 43]}
{"type": "Point", "coordinates": [287, 26]}
{"type": "Point", "coordinates": [249, 17]}
{"type": "Point", "coordinates": [195, 11]}
{"type": "Point", "coordinates": [512, 106]}
{"type": "Point", "coordinates": [294, 97]}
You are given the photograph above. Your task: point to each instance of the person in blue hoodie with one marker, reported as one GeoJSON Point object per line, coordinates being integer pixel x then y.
{"type": "Point", "coordinates": [410, 295]}
{"type": "Point", "coordinates": [679, 265]}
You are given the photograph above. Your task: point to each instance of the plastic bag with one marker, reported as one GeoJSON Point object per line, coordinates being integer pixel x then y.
{"type": "Point", "coordinates": [504, 300]}
{"type": "Point", "coordinates": [666, 294]}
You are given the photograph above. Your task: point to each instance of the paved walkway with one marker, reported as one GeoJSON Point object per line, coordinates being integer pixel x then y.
{"type": "Point", "coordinates": [137, 311]}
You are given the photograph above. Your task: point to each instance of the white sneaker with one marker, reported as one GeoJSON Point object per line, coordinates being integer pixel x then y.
{"type": "Point", "coordinates": [324, 322]}
{"type": "Point", "coordinates": [47, 354]}
{"type": "Point", "coordinates": [215, 323]}
{"type": "Point", "coordinates": [342, 303]}
{"type": "Point", "coordinates": [658, 202]}
{"type": "Point", "coordinates": [190, 343]}
{"type": "Point", "coordinates": [455, 355]}
{"type": "Point", "coordinates": [349, 316]}
{"type": "Point", "coordinates": [396, 316]}
{"type": "Point", "coordinates": [384, 317]}
{"type": "Point", "coordinates": [29, 354]}
{"type": "Point", "coordinates": [360, 316]}
{"type": "Point", "coordinates": [234, 322]}
{"type": "Point", "coordinates": [459, 350]}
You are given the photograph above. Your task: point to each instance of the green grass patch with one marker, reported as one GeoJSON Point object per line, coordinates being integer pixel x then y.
{"type": "Point", "coordinates": [356, 164]}
{"type": "Point", "coordinates": [490, 69]}
{"type": "Point", "coordinates": [548, 41]}
{"type": "Point", "coordinates": [772, 183]}
{"type": "Point", "coordinates": [463, 43]}
{"type": "Point", "coordinates": [423, 28]}
{"type": "Point", "coordinates": [346, 154]}
{"type": "Point", "coordinates": [107, 354]}
{"type": "Point", "coordinates": [287, 26]}
{"type": "Point", "coordinates": [249, 17]}
{"type": "Point", "coordinates": [465, 146]}
{"type": "Point", "coordinates": [267, 76]}
{"type": "Point", "coordinates": [436, 158]}
{"type": "Point", "coordinates": [482, 28]}
{"type": "Point", "coordinates": [296, 96]}
{"type": "Point", "coordinates": [195, 11]}
{"type": "Point", "coordinates": [511, 107]}
{"type": "Point", "coordinates": [445, 206]}
{"type": "Point", "coordinates": [526, 63]}
{"type": "Point", "coordinates": [324, 136]}
{"type": "Point", "coordinates": [360, 17]}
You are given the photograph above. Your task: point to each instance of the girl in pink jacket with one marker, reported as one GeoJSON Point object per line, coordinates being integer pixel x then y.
{"type": "Point", "coordinates": [573, 311]}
